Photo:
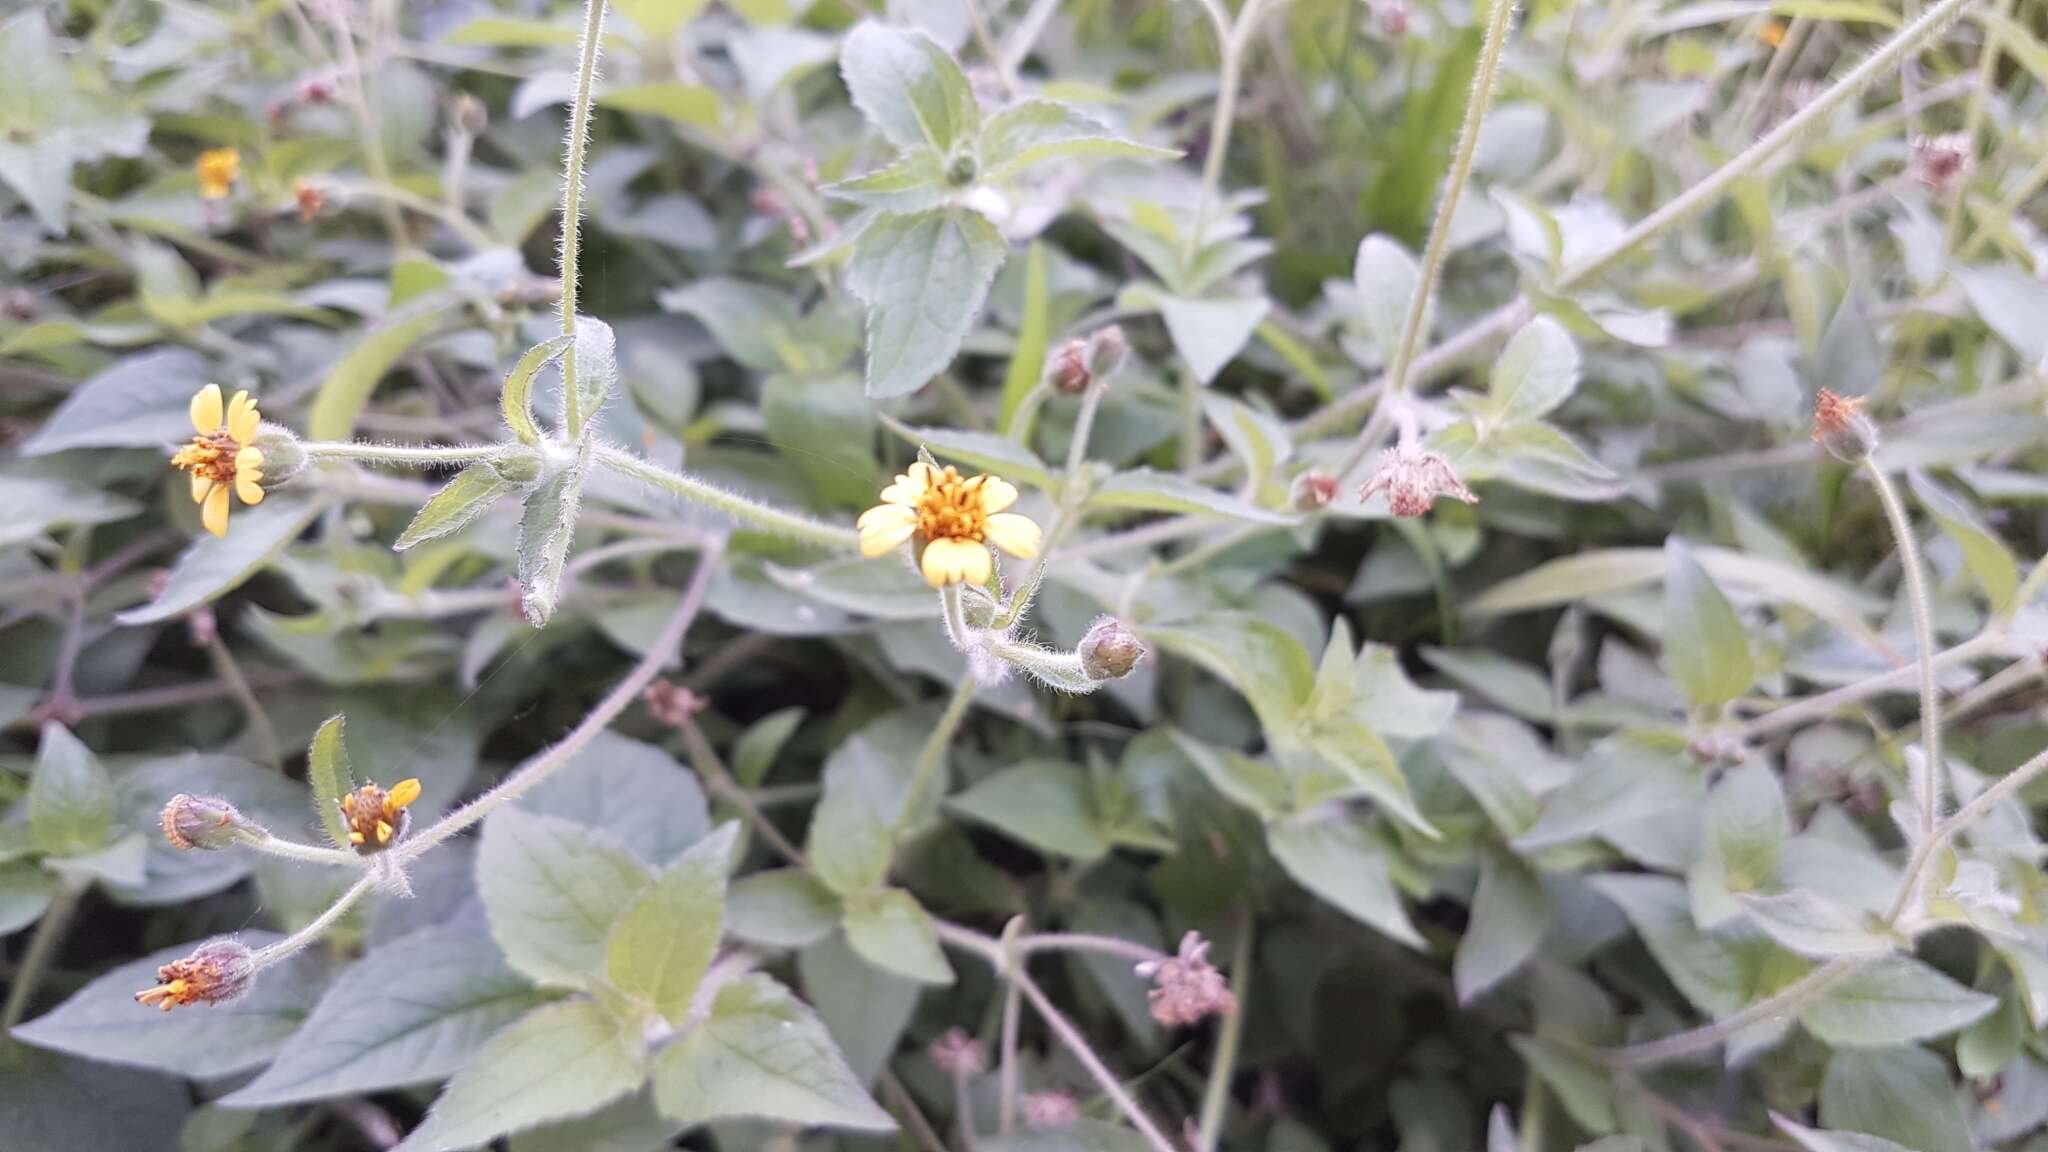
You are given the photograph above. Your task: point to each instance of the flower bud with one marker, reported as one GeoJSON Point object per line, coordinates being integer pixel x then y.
{"type": "Point", "coordinates": [216, 971]}
{"type": "Point", "coordinates": [1314, 489]}
{"type": "Point", "coordinates": [1110, 650]}
{"type": "Point", "coordinates": [310, 198]}
{"type": "Point", "coordinates": [1068, 370]}
{"type": "Point", "coordinates": [1841, 426]}
{"type": "Point", "coordinates": [469, 114]}
{"type": "Point", "coordinates": [282, 456]}
{"type": "Point", "coordinates": [672, 704]}
{"type": "Point", "coordinates": [520, 465]}
{"type": "Point", "coordinates": [1940, 162]}
{"type": "Point", "coordinates": [206, 823]}
{"type": "Point", "coordinates": [1412, 479]}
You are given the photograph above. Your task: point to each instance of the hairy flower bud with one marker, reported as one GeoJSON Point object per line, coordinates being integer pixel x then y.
{"type": "Point", "coordinates": [216, 971]}
{"type": "Point", "coordinates": [1841, 426]}
{"type": "Point", "coordinates": [282, 456]}
{"type": "Point", "coordinates": [206, 823]}
{"type": "Point", "coordinates": [1110, 650]}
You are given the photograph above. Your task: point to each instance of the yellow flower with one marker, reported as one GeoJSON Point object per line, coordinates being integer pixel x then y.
{"type": "Point", "coordinates": [222, 455]}
{"type": "Point", "coordinates": [1772, 33]}
{"type": "Point", "coordinates": [375, 817]}
{"type": "Point", "coordinates": [955, 519]}
{"type": "Point", "coordinates": [218, 168]}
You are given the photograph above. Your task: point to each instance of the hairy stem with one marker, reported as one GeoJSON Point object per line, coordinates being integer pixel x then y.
{"type": "Point", "coordinates": [933, 753]}
{"type": "Point", "coordinates": [298, 941]}
{"type": "Point", "coordinates": [1216, 1094]}
{"type": "Point", "coordinates": [42, 945]}
{"type": "Point", "coordinates": [403, 455]}
{"type": "Point", "coordinates": [1929, 798]}
{"type": "Point", "coordinates": [587, 53]}
{"type": "Point", "coordinates": [752, 513]}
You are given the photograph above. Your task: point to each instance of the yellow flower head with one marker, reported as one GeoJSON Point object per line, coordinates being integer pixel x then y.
{"type": "Point", "coordinates": [218, 168]}
{"type": "Point", "coordinates": [375, 817]}
{"type": "Point", "coordinates": [954, 519]}
{"type": "Point", "coordinates": [222, 455]}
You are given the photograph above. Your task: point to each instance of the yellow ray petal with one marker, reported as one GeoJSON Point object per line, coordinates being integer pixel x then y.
{"type": "Point", "coordinates": [885, 526]}
{"type": "Point", "coordinates": [200, 487]}
{"type": "Point", "coordinates": [214, 512]}
{"type": "Point", "coordinates": [206, 409]}
{"type": "Point", "coordinates": [243, 419]}
{"type": "Point", "coordinates": [247, 488]}
{"type": "Point", "coordinates": [1015, 534]}
{"type": "Point", "coordinates": [403, 793]}
{"type": "Point", "coordinates": [997, 494]}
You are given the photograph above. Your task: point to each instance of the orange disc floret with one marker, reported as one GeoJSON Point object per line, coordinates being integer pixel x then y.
{"type": "Point", "coordinates": [375, 817]}
{"type": "Point", "coordinates": [954, 519]}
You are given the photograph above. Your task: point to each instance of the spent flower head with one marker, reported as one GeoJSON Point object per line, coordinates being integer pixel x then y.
{"type": "Point", "coordinates": [1413, 478]}
{"type": "Point", "coordinates": [218, 169]}
{"type": "Point", "coordinates": [1050, 1109]}
{"type": "Point", "coordinates": [958, 1054]}
{"type": "Point", "coordinates": [215, 972]}
{"type": "Point", "coordinates": [376, 818]}
{"type": "Point", "coordinates": [1185, 986]}
{"type": "Point", "coordinates": [953, 518]}
{"type": "Point", "coordinates": [1314, 489]}
{"type": "Point", "coordinates": [205, 823]}
{"type": "Point", "coordinates": [1940, 162]}
{"type": "Point", "coordinates": [222, 455]}
{"type": "Point", "coordinates": [671, 703]}
{"type": "Point", "coordinates": [1841, 426]}
{"type": "Point", "coordinates": [1110, 650]}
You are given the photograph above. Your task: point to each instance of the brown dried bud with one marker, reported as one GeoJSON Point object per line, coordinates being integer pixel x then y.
{"type": "Point", "coordinates": [205, 823]}
{"type": "Point", "coordinates": [1939, 162]}
{"type": "Point", "coordinates": [216, 971]}
{"type": "Point", "coordinates": [311, 199]}
{"type": "Point", "coordinates": [1841, 426]}
{"type": "Point", "coordinates": [1314, 490]}
{"type": "Point", "coordinates": [469, 114]}
{"type": "Point", "coordinates": [958, 1054]}
{"type": "Point", "coordinates": [1109, 650]}
{"type": "Point", "coordinates": [1068, 369]}
{"type": "Point", "coordinates": [1413, 478]}
{"type": "Point", "coordinates": [672, 704]}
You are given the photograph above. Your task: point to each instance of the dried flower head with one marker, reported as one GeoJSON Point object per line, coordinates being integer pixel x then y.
{"type": "Point", "coordinates": [671, 703]}
{"type": "Point", "coordinates": [1314, 489]}
{"type": "Point", "coordinates": [954, 519]}
{"type": "Point", "coordinates": [205, 823]}
{"type": "Point", "coordinates": [311, 199]}
{"type": "Point", "coordinates": [1110, 649]}
{"type": "Point", "coordinates": [1186, 987]}
{"type": "Point", "coordinates": [1940, 162]}
{"type": "Point", "coordinates": [1068, 369]}
{"type": "Point", "coordinates": [1413, 478]}
{"type": "Point", "coordinates": [216, 971]}
{"type": "Point", "coordinates": [217, 169]}
{"type": "Point", "coordinates": [958, 1054]}
{"type": "Point", "coordinates": [222, 455]}
{"type": "Point", "coordinates": [376, 818]}
{"type": "Point", "coordinates": [1393, 20]}
{"type": "Point", "coordinates": [1053, 1109]}
{"type": "Point", "coordinates": [1841, 426]}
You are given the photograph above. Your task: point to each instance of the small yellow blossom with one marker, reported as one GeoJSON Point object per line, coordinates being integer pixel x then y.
{"type": "Point", "coordinates": [222, 455]}
{"type": "Point", "coordinates": [218, 168]}
{"type": "Point", "coordinates": [954, 519]}
{"type": "Point", "coordinates": [375, 817]}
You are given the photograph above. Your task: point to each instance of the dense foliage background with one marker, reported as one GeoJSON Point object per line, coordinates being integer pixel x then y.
{"type": "Point", "coordinates": [1644, 800]}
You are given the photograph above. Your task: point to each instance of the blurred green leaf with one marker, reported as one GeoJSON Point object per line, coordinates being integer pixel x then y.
{"type": "Point", "coordinates": [662, 943]}
{"type": "Point", "coordinates": [553, 890]}
{"type": "Point", "coordinates": [563, 1059]}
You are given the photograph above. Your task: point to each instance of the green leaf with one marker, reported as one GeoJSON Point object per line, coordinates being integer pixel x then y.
{"type": "Point", "coordinates": [1034, 335]}
{"type": "Point", "coordinates": [1584, 1088]}
{"type": "Point", "coordinates": [327, 770]}
{"type": "Point", "coordinates": [552, 890]}
{"type": "Point", "coordinates": [1385, 276]}
{"type": "Point", "coordinates": [1047, 804]}
{"type": "Point", "coordinates": [595, 352]}
{"type": "Point", "coordinates": [915, 182]}
{"type": "Point", "coordinates": [102, 1021]}
{"type": "Point", "coordinates": [629, 1125]}
{"type": "Point", "coordinates": [1902, 1095]}
{"type": "Point", "coordinates": [1814, 1140]}
{"type": "Point", "coordinates": [755, 324]}
{"type": "Point", "coordinates": [1260, 659]}
{"type": "Point", "coordinates": [562, 1060]}
{"type": "Point", "coordinates": [474, 491]}
{"type": "Point", "coordinates": [663, 942]}
{"type": "Point", "coordinates": [1410, 162]}
{"type": "Point", "coordinates": [31, 506]}
{"type": "Point", "coordinates": [691, 105]}
{"type": "Point", "coordinates": [781, 908]}
{"type": "Point", "coordinates": [867, 784]}
{"type": "Point", "coordinates": [1710, 970]}
{"type": "Point", "coordinates": [212, 566]}
{"type": "Point", "coordinates": [70, 797]}
{"type": "Point", "coordinates": [1624, 780]}
{"type": "Point", "coordinates": [864, 1007]}
{"type": "Point", "coordinates": [1254, 785]}
{"type": "Point", "coordinates": [516, 398]}
{"type": "Point", "coordinates": [762, 1054]}
{"type": "Point", "coordinates": [890, 929]}
{"type": "Point", "coordinates": [1144, 490]}
{"type": "Point", "coordinates": [632, 790]}
{"type": "Point", "coordinates": [1536, 372]}
{"type": "Point", "coordinates": [355, 376]}
{"type": "Point", "coordinates": [1252, 436]}
{"type": "Point", "coordinates": [923, 278]}
{"type": "Point", "coordinates": [1511, 912]}
{"type": "Point", "coordinates": [1747, 827]}
{"type": "Point", "coordinates": [53, 1103]}
{"type": "Point", "coordinates": [908, 88]}
{"type": "Point", "coordinates": [1034, 131]}
{"type": "Point", "coordinates": [825, 429]}
{"type": "Point", "coordinates": [2011, 303]}
{"type": "Point", "coordinates": [1894, 1000]}
{"type": "Point", "coordinates": [979, 450]}
{"type": "Point", "coordinates": [1813, 925]}
{"type": "Point", "coordinates": [1987, 557]}
{"type": "Point", "coordinates": [1341, 862]}
{"type": "Point", "coordinates": [140, 401]}
{"type": "Point", "coordinates": [414, 1010]}
{"type": "Point", "coordinates": [755, 752]}
{"type": "Point", "coordinates": [25, 892]}
{"type": "Point", "coordinates": [505, 32]}
{"type": "Point", "coordinates": [1209, 333]}
{"type": "Point", "coordinates": [1706, 651]}
{"type": "Point", "coordinates": [546, 529]}
{"type": "Point", "coordinates": [660, 19]}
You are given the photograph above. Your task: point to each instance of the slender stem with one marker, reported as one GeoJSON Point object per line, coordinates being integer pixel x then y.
{"type": "Point", "coordinates": [963, 1111]}
{"type": "Point", "coordinates": [934, 752]}
{"type": "Point", "coordinates": [1025, 34]}
{"type": "Point", "coordinates": [42, 944]}
{"type": "Point", "coordinates": [599, 718]}
{"type": "Point", "coordinates": [1708, 191]}
{"type": "Point", "coordinates": [1973, 124]}
{"type": "Point", "coordinates": [310, 853]}
{"type": "Point", "coordinates": [1013, 1013]}
{"type": "Point", "coordinates": [1478, 335]}
{"type": "Point", "coordinates": [1190, 419]}
{"type": "Point", "coordinates": [1827, 703]}
{"type": "Point", "coordinates": [913, 1116]}
{"type": "Point", "coordinates": [588, 49]}
{"type": "Point", "coordinates": [260, 727]}
{"type": "Point", "coordinates": [1477, 102]}
{"type": "Point", "coordinates": [719, 782]}
{"type": "Point", "coordinates": [1786, 1000]}
{"type": "Point", "coordinates": [1087, 942]}
{"type": "Point", "coordinates": [297, 941]}
{"type": "Point", "coordinates": [1954, 826]}
{"type": "Point", "coordinates": [366, 119]}
{"type": "Point", "coordinates": [1230, 41]}
{"type": "Point", "coordinates": [404, 455]}
{"type": "Point", "coordinates": [1929, 798]}
{"type": "Point", "coordinates": [1216, 1095]}
{"type": "Point", "coordinates": [753, 514]}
